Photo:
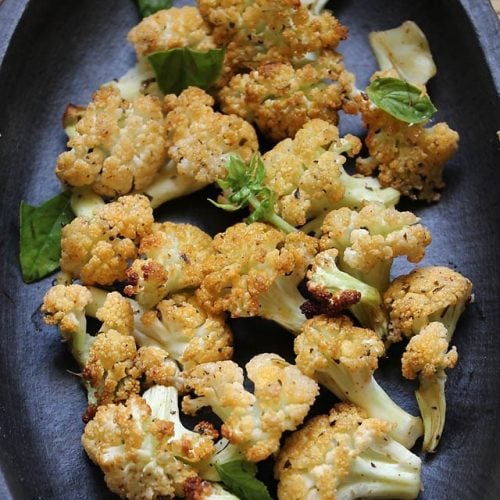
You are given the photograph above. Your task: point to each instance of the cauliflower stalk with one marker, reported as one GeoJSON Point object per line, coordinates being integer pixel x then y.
{"type": "Point", "coordinates": [254, 422]}
{"type": "Point", "coordinates": [346, 455]}
{"type": "Point", "coordinates": [260, 276]}
{"type": "Point", "coordinates": [343, 357]}
{"type": "Point", "coordinates": [369, 240]}
{"type": "Point", "coordinates": [426, 357]}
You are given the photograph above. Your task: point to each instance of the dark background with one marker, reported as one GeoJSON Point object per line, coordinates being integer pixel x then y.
{"type": "Point", "coordinates": [61, 51]}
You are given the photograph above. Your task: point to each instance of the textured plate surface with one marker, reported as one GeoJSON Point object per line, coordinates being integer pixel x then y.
{"type": "Point", "coordinates": [59, 51]}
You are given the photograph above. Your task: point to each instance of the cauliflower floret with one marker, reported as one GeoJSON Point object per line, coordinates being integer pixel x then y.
{"type": "Point", "coordinates": [200, 139]}
{"type": "Point", "coordinates": [139, 447]}
{"type": "Point", "coordinates": [116, 314]}
{"type": "Point", "coordinates": [268, 31]}
{"type": "Point", "coordinates": [157, 367]}
{"type": "Point", "coordinates": [307, 175]}
{"type": "Point", "coordinates": [343, 358]}
{"type": "Point", "coordinates": [280, 99]}
{"type": "Point", "coordinates": [254, 422]}
{"type": "Point", "coordinates": [425, 295]}
{"type": "Point", "coordinates": [406, 157]}
{"type": "Point", "coordinates": [370, 239]}
{"type": "Point", "coordinates": [117, 145]}
{"type": "Point", "coordinates": [427, 356]}
{"type": "Point", "coordinates": [97, 248]}
{"type": "Point", "coordinates": [255, 271]}
{"type": "Point", "coordinates": [169, 29]}
{"type": "Point", "coordinates": [185, 330]}
{"type": "Point", "coordinates": [172, 256]}
{"type": "Point", "coordinates": [346, 455]}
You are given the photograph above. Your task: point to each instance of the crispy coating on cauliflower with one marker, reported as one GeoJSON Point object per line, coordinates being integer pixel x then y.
{"type": "Point", "coordinates": [308, 177]}
{"type": "Point", "coordinates": [97, 248]}
{"type": "Point", "coordinates": [172, 257]}
{"type": "Point", "coordinates": [117, 145]}
{"type": "Point", "coordinates": [346, 455]}
{"type": "Point", "coordinates": [427, 294]}
{"type": "Point", "coordinates": [343, 358]}
{"type": "Point", "coordinates": [169, 29]}
{"type": "Point", "coordinates": [280, 99]}
{"type": "Point", "coordinates": [370, 239]}
{"type": "Point", "coordinates": [268, 31]}
{"type": "Point", "coordinates": [199, 139]}
{"type": "Point", "coordinates": [189, 333]}
{"type": "Point", "coordinates": [255, 271]}
{"type": "Point", "coordinates": [427, 356]}
{"type": "Point", "coordinates": [406, 157]}
{"type": "Point", "coordinates": [254, 422]}
{"type": "Point", "coordinates": [136, 446]}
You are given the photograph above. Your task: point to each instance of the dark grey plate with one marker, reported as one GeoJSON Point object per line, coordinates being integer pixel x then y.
{"type": "Point", "coordinates": [57, 51]}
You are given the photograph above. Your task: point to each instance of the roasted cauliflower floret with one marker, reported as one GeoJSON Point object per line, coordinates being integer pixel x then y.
{"type": "Point", "coordinates": [280, 99]}
{"type": "Point", "coordinates": [333, 290]}
{"type": "Point", "coordinates": [185, 330]}
{"type": "Point", "coordinates": [157, 367]}
{"type": "Point", "coordinates": [254, 422]}
{"type": "Point", "coordinates": [370, 239]}
{"type": "Point", "coordinates": [406, 157]}
{"type": "Point", "coordinates": [172, 257]}
{"type": "Point", "coordinates": [199, 139]}
{"type": "Point", "coordinates": [307, 175]}
{"type": "Point", "coordinates": [427, 356]}
{"type": "Point", "coordinates": [116, 314]}
{"type": "Point", "coordinates": [170, 29]}
{"type": "Point", "coordinates": [343, 358]}
{"type": "Point", "coordinates": [268, 31]}
{"type": "Point", "coordinates": [117, 146]}
{"type": "Point", "coordinates": [141, 448]}
{"type": "Point", "coordinates": [97, 248]}
{"type": "Point", "coordinates": [346, 455]}
{"type": "Point", "coordinates": [255, 271]}
{"type": "Point", "coordinates": [427, 294]}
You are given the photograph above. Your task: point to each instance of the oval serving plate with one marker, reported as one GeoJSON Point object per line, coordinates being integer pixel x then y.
{"type": "Point", "coordinates": [61, 51]}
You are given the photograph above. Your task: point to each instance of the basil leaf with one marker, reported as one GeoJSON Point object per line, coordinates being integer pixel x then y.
{"type": "Point", "coordinates": [239, 478]}
{"type": "Point", "coordinates": [401, 100]}
{"type": "Point", "coordinates": [40, 236]}
{"type": "Point", "coordinates": [177, 69]}
{"type": "Point", "coordinates": [148, 7]}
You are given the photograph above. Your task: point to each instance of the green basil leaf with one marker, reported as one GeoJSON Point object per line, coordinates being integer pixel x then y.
{"type": "Point", "coordinates": [148, 7]}
{"type": "Point", "coordinates": [177, 69]}
{"type": "Point", "coordinates": [40, 236]}
{"type": "Point", "coordinates": [239, 478]}
{"type": "Point", "coordinates": [401, 100]}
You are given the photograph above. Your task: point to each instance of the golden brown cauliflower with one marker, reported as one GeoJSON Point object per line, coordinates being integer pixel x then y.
{"type": "Point", "coordinates": [308, 177]}
{"type": "Point", "coordinates": [190, 334]}
{"type": "Point", "coordinates": [254, 422]}
{"type": "Point", "coordinates": [169, 29]}
{"type": "Point", "coordinates": [172, 257]}
{"type": "Point", "coordinates": [117, 146]}
{"type": "Point", "coordinates": [97, 248]}
{"type": "Point", "coordinates": [425, 295]}
{"type": "Point", "coordinates": [142, 448]}
{"type": "Point", "coordinates": [157, 367]}
{"type": "Point", "coordinates": [370, 239]}
{"type": "Point", "coordinates": [268, 31]}
{"type": "Point", "coordinates": [200, 139]}
{"type": "Point", "coordinates": [406, 157]}
{"type": "Point", "coordinates": [343, 358]}
{"type": "Point", "coordinates": [255, 271]}
{"type": "Point", "coordinates": [427, 356]}
{"type": "Point", "coordinates": [280, 99]}
{"type": "Point", "coordinates": [346, 455]}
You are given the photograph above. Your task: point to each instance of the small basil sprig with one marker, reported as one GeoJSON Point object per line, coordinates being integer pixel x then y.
{"type": "Point", "coordinates": [177, 69]}
{"type": "Point", "coordinates": [40, 236]}
{"type": "Point", "coordinates": [401, 100]}
{"type": "Point", "coordinates": [148, 7]}
{"type": "Point", "coordinates": [243, 186]}
{"type": "Point", "coordinates": [239, 478]}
